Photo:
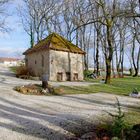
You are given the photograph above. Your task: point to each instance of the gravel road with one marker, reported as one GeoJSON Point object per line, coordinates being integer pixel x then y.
{"type": "Point", "coordinates": [28, 117]}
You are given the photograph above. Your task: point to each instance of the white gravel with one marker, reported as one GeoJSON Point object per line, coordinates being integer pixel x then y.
{"type": "Point", "coordinates": [50, 117]}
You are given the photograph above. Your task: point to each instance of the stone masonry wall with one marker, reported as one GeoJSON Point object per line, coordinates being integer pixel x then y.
{"type": "Point", "coordinates": [34, 63]}
{"type": "Point", "coordinates": [62, 62]}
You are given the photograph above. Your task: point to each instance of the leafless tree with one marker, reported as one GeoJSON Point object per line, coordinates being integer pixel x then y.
{"type": "Point", "coordinates": [107, 23]}
{"type": "Point", "coordinates": [3, 15]}
{"type": "Point", "coordinates": [35, 16]}
{"type": "Point", "coordinates": [134, 24]}
{"type": "Point", "coordinates": [109, 12]}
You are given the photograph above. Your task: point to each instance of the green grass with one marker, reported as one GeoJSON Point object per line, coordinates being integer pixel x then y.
{"type": "Point", "coordinates": [132, 117]}
{"type": "Point", "coordinates": [120, 86]}
{"type": "Point", "coordinates": [13, 68]}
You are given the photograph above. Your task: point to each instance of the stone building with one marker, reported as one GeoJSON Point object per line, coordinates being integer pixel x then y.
{"type": "Point", "coordinates": [6, 61]}
{"type": "Point", "coordinates": [57, 58]}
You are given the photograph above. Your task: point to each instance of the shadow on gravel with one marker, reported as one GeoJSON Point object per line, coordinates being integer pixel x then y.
{"type": "Point", "coordinates": [33, 122]}
{"type": "Point", "coordinates": [91, 101]}
{"type": "Point", "coordinates": [10, 74]}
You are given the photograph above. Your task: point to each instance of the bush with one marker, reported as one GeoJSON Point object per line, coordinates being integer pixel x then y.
{"type": "Point", "coordinates": [119, 125]}
{"type": "Point", "coordinates": [87, 73]}
{"type": "Point", "coordinates": [22, 71]}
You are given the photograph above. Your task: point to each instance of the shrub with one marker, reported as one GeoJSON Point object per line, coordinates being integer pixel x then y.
{"type": "Point", "coordinates": [119, 125]}
{"type": "Point", "coordinates": [22, 71]}
{"type": "Point", "coordinates": [135, 91]}
{"type": "Point", "coordinates": [87, 73]}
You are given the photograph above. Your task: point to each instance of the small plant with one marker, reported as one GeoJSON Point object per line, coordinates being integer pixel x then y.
{"type": "Point", "coordinates": [135, 91]}
{"type": "Point", "coordinates": [87, 73]}
{"type": "Point", "coordinates": [115, 138]}
{"type": "Point", "coordinates": [118, 125]}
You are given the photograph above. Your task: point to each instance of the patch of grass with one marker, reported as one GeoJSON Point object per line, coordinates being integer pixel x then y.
{"type": "Point", "coordinates": [120, 86]}
{"type": "Point", "coordinates": [132, 117]}
{"type": "Point", "coordinates": [91, 80]}
{"type": "Point", "coordinates": [13, 68]}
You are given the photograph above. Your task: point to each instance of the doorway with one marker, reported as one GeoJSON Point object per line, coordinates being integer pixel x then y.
{"type": "Point", "coordinates": [75, 77]}
{"type": "Point", "coordinates": [59, 76]}
{"type": "Point", "coordinates": [68, 76]}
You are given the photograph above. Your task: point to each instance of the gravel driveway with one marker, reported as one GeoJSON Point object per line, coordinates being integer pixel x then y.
{"type": "Point", "coordinates": [28, 117]}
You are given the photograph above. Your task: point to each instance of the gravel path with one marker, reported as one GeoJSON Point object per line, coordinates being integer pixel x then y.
{"type": "Point", "coordinates": [49, 117]}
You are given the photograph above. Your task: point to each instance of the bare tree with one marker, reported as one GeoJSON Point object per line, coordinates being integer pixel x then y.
{"type": "Point", "coordinates": [35, 16]}
{"type": "Point", "coordinates": [109, 12]}
{"type": "Point", "coordinates": [134, 25]}
{"type": "Point", "coordinates": [3, 15]}
{"type": "Point", "coordinates": [135, 49]}
{"type": "Point", "coordinates": [104, 22]}
{"type": "Point", "coordinates": [120, 42]}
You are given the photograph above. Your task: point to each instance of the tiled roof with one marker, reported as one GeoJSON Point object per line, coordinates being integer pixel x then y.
{"type": "Point", "coordinates": [55, 42]}
{"type": "Point", "coordinates": [8, 59]}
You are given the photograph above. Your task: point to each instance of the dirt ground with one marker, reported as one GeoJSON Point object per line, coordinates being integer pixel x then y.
{"type": "Point", "coordinates": [28, 117]}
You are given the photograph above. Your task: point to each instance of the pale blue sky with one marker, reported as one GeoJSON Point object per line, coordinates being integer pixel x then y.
{"type": "Point", "coordinates": [13, 44]}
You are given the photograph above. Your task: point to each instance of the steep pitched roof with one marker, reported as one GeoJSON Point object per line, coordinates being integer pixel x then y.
{"type": "Point", "coordinates": [57, 42]}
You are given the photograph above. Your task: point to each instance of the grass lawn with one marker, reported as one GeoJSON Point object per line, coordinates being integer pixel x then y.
{"type": "Point", "coordinates": [132, 117]}
{"type": "Point", "coordinates": [120, 86]}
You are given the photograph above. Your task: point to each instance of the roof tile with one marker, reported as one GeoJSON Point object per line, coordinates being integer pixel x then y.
{"type": "Point", "coordinates": [55, 42]}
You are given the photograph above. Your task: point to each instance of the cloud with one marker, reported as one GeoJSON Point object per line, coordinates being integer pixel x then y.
{"type": "Point", "coordinates": [15, 42]}
{"type": "Point", "coordinates": [11, 52]}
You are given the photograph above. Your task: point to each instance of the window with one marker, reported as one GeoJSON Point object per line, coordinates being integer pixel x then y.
{"type": "Point", "coordinates": [42, 61]}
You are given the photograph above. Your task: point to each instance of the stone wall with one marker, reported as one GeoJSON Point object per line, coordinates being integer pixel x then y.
{"type": "Point", "coordinates": [65, 62]}
{"type": "Point", "coordinates": [56, 62]}
{"type": "Point", "coordinates": [34, 63]}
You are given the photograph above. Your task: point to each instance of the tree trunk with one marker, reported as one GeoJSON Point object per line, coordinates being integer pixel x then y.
{"type": "Point", "coordinates": [97, 54]}
{"type": "Point", "coordinates": [94, 50]}
{"type": "Point", "coordinates": [122, 63]}
{"type": "Point", "coordinates": [117, 61]}
{"type": "Point", "coordinates": [137, 67]}
{"type": "Point", "coordinates": [133, 58]}
{"type": "Point", "coordinates": [31, 36]}
{"type": "Point", "coordinates": [84, 46]}
{"type": "Point", "coordinates": [136, 73]}
{"type": "Point", "coordinates": [108, 72]}
{"type": "Point", "coordinates": [110, 54]}
{"type": "Point", "coordinates": [113, 71]}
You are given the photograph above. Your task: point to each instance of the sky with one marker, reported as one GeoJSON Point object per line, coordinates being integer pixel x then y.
{"type": "Point", "coordinates": [16, 41]}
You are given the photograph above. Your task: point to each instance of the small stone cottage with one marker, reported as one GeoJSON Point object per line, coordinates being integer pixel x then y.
{"type": "Point", "coordinates": [57, 58]}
